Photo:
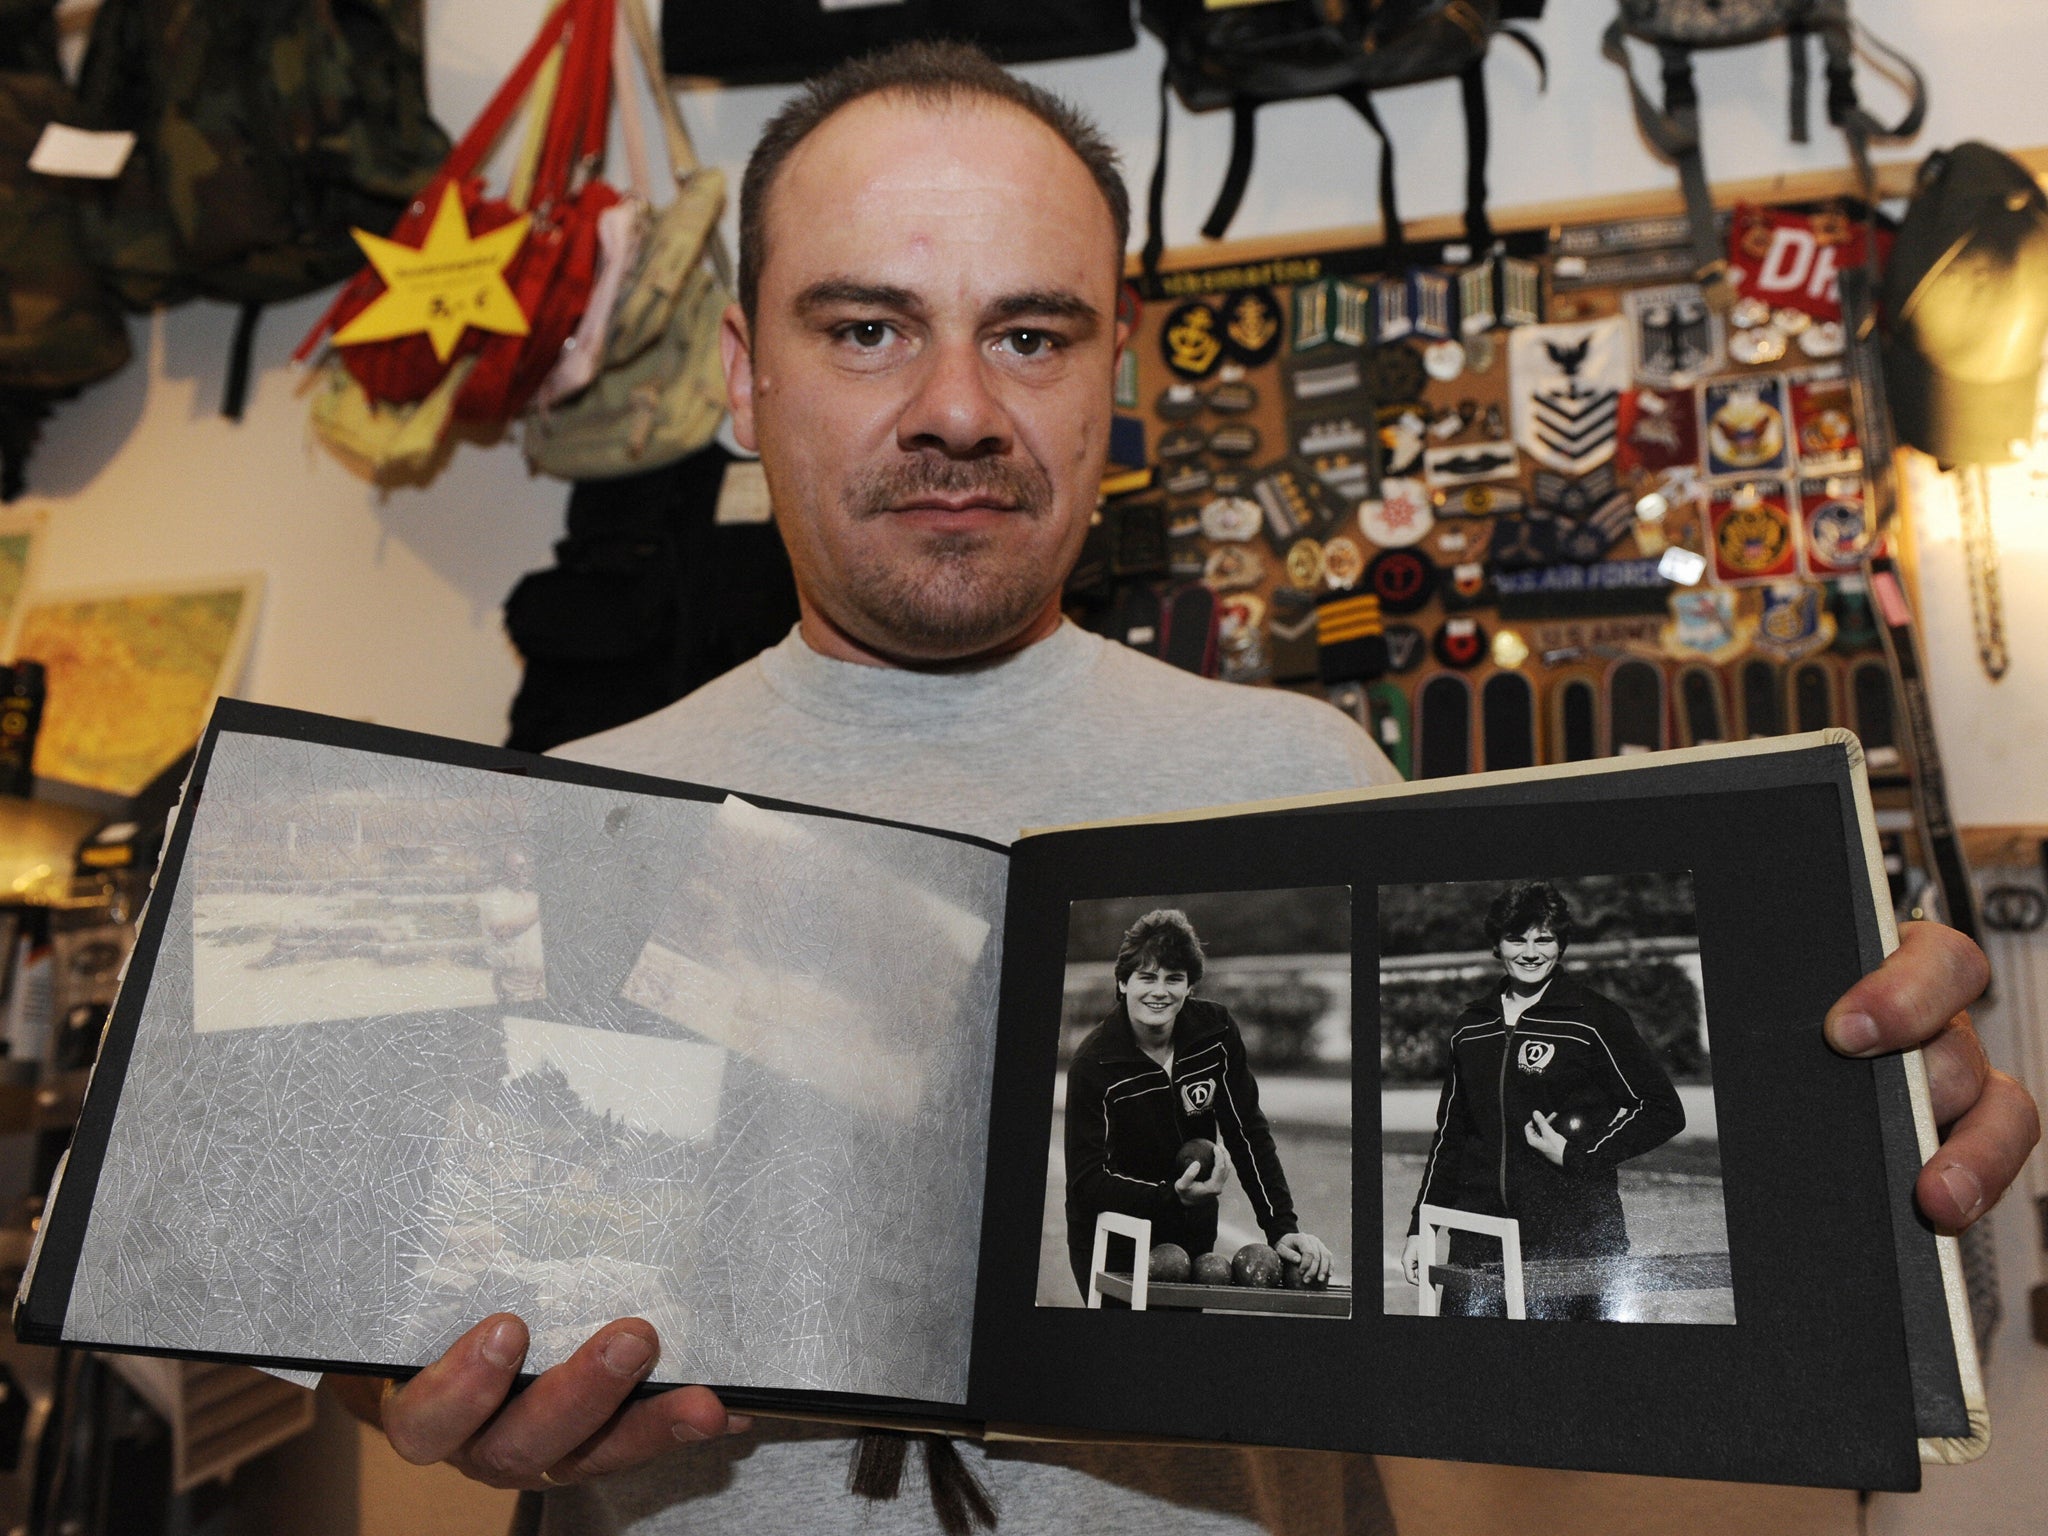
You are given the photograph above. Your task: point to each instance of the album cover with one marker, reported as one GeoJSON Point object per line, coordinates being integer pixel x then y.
{"type": "Point", "coordinates": [1487, 1118]}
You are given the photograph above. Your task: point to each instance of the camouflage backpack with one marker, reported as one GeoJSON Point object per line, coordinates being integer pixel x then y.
{"type": "Point", "coordinates": [60, 329]}
{"type": "Point", "coordinates": [264, 130]}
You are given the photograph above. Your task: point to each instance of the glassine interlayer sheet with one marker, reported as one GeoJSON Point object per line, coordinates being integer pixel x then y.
{"type": "Point", "coordinates": [424, 1042]}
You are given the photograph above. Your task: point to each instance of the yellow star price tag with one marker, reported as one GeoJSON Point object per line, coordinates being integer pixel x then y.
{"type": "Point", "coordinates": [451, 282]}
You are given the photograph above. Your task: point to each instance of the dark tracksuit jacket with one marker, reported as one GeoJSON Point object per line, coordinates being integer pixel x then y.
{"type": "Point", "coordinates": [1572, 1053]}
{"type": "Point", "coordinates": [1126, 1119]}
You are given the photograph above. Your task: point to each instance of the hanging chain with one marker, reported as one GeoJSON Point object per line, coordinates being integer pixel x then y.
{"type": "Point", "coordinates": [1980, 555]}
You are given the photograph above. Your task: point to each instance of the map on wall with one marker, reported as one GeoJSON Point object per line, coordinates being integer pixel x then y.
{"type": "Point", "coordinates": [131, 674]}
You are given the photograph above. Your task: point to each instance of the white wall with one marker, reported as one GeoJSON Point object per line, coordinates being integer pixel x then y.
{"type": "Point", "coordinates": [384, 606]}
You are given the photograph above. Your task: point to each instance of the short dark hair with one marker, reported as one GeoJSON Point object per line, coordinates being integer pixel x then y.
{"type": "Point", "coordinates": [1532, 904]}
{"type": "Point", "coordinates": [930, 73]}
{"type": "Point", "coordinates": [1164, 938]}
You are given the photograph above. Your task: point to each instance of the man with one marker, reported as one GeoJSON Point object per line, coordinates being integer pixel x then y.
{"type": "Point", "coordinates": [923, 352]}
{"type": "Point", "coordinates": [1162, 1069]}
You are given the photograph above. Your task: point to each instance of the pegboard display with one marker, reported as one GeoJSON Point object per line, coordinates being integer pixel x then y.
{"type": "Point", "coordinates": [1542, 506]}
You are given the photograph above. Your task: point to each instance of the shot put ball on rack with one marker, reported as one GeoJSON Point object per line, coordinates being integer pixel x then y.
{"type": "Point", "coordinates": [1212, 1269]}
{"type": "Point", "coordinates": [1169, 1264]}
{"type": "Point", "coordinates": [1256, 1265]}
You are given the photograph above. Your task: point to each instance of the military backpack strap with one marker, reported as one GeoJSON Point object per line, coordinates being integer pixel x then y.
{"type": "Point", "coordinates": [1243, 121]}
{"type": "Point", "coordinates": [1673, 130]}
{"type": "Point", "coordinates": [1155, 194]}
{"type": "Point", "coordinates": [1392, 235]}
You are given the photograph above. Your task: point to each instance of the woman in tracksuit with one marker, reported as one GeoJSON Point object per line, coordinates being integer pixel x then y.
{"type": "Point", "coordinates": [1550, 1090]}
{"type": "Point", "coordinates": [1164, 1067]}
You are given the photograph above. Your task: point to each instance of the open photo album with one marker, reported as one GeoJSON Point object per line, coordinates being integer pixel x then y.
{"type": "Point", "coordinates": [1486, 1118]}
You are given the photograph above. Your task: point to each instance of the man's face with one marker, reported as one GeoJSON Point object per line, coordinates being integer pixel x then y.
{"type": "Point", "coordinates": [1530, 957]}
{"type": "Point", "coordinates": [928, 379]}
{"type": "Point", "coordinates": [1153, 994]}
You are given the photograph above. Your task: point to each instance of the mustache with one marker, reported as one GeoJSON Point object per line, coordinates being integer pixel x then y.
{"type": "Point", "coordinates": [1022, 485]}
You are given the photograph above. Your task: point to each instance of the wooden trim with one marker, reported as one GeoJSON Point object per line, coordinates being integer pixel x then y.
{"type": "Point", "coordinates": [2004, 847]}
{"type": "Point", "coordinates": [1894, 179]}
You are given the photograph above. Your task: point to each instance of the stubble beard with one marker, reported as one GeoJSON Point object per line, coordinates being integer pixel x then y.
{"type": "Point", "coordinates": [960, 593]}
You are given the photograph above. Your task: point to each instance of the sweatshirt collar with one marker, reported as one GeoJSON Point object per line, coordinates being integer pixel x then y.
{"type": "Point", "coordinates": [851, 693]}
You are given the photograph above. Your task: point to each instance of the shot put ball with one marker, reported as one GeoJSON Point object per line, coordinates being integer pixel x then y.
{"type": "Point", "coordinates": [1291, 1280]}
{"type": "Point", "coordinates": [1256, 1265]}
{"type": "Point", "coordinates": [1212, 1269]}
{"type": "Point", "coordinates": [1197, 1151]}
{"type": "Point", "coordinates": [1170, 1264]}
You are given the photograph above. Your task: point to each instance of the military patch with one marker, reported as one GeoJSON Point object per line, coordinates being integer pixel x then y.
{"type": "Point", "coordinates": [1231, 519]}
{"type": "Point", "coordinates": [1521, 291]}
{"type": "Point", "coordinates": [1824, 340]}
{"type": "Point", "coordinates": [1476, 310]}
{"type": "Point", "coordinates": [1182, 442]}
{"type": "Point", "coordinates": [1750, 530]}
{"type": "Point", "coordinates": [1443, 727]}
{"type": "Point", "coordinates": [1291, 634]}
{"type": "Point", "coordinates": [1295, 502]}
{"type": "Point", "coordinates": [1567, 382]}
{"type": "Point", "coordinates": [1343, 562]}
{"type": "Point", "coordinates": [1185, 479]}
{"type": "Point", "coordinates": [1794, 623]}
{"type": "Point", "coordinates": [1510, 650]}
{"type": "Point", "coordinates": [1397, 374]}
{"type": "Point", "coordinates": [1391, 319]}
{"type": "Point", "coordinates": [1565, 591]}
{"type": "Point", "coordinates": [1443, 360]}
{"type": "Point", "coordinates": [1327, 380]}
{"type": "Point", "coordinates": [1176, 402]}
{"type": "Point", "coordinates": [1392, 725]}
{"type": "Point", "coordinates": [1429, 300]}
{"type": "Point", "coordinates": [1855, 620]}
{"type": "Point", "coordinates": [1311, 327]}
{"type": "Point", "coordinates": [1252, 326]}
{"type": "Point", "coordinates": [1350, 314]}
{"type": "Point", "coordinates": [1234, 440]}
{"type": "Point", "coordinates": [1402, 579]}
{"type": "Point", "coordinates": [1460, 643]}
{"type": "Point", "coordinates": [1563, 496]}
{"type": "Point", "coordinates": [1659, 429]}
{"type": "Point", "coordinates": [1346, 474]}
{"type": "Point", "coordinates": [1522, 543]}
{"type": "Point", "coordinates": [1349, 642]}
{"type": "Point", "coordinates": [1233, 568]}
{"type": "Point", "coordinates": [1305, 566]}
{"type": "Point", "coordinates": [1837, 524]}
{"type": "Point", "coordinates": [1399, 517]}
{"type": "Point", "coordinates": [1239, 620]}
{"type": "Point", "coordinates": [1233, 397]}
{"type": "Point", "coordinates": [1461, 539]}
{"type": "Point", "coordinates": [1465, 463]}
{"type": "Point", "coordinates": [1678, 339]}
{"type": "Point", "coordinates": [1701, 713]}
{"type": "Point", "coordinates": [1406, 646]}
{"type": "Point", "coordinates": [1338, 430]}
{"type": "Point", "coordinates": [1191, 341]}
{"type": "Point", "coordinates": [1757, 348]}
{"type": "Point", "coordinates": [1824, 423]}
{"type": "Point", "coordinates": [1481, 353]}
{"type": "Point", "coordinates": [1466, 585]}
{"type": "Point", "coordinates": [1126, 388]}
{"type": "Point", "coordinates": [1706, 622]}
{"type": "Point", "coordinates": [1481, 501]}
{"type": "Point", "coordinates": [1745, 425]}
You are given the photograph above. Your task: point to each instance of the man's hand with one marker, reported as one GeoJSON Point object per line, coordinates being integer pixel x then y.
{"type": "Point", "coordinates": [1545, 1137]}
{"type": "Point", "coordinates": [1411, 1259]}
{"type": "Point", "coordinates": [572, 1422]}
{"type": "Point", "coordinates": [1989, 1121]}
{"type": "Point", "coordinates": [1193, 1189]}
{"type": "Point", "coordinates": [1310, 1252]}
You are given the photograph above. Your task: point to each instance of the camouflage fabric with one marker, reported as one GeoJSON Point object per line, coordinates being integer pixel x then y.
{"type": "Point", "coordinates": [60, 328]}
{"type": "Point", "coordinates": [265, 128]}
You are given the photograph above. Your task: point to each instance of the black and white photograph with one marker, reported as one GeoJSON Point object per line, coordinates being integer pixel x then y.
{"type": "Point", "coordinates": [1548, 1135]}
{"type": "Point", "coordinates": [1200, 1156]}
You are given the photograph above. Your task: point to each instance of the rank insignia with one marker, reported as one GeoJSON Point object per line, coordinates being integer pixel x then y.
{"type": "Point", "coordinates": [1176, 402]}
{"type": "Point", "coordinates": [1429, 301]}
{"type": "Point", "coordinates": [1231, 519]}
{"type": "Point", "coordinates": [1233, 568]}
{"type": "Point", "coordinates": [1295, 503]}
{"type": "Point", "coordinates": [1678, 339]}
{"type": "Point", "coordinates": [1466, 586]}
{"type": "Point", "coordinates": [1475, 299]}
{"type": "Point", "coordinates": [1562, 496]}
{"type": "Point", "coordinates": [1824, 423]}
{"type": "Point", "coordinates": [1237, 440]}
{"type": "Point", "coordinates": [1838, 531]}
{"type": "Point", "coordinates": [1180, 443]}
{"type": "Point", "coordinates": [1291, 628]}
{"type": "Point", "coordinates": [1460, 643]}
{"type": "Point", "coordinates": [1349, 640]}
{"type": "Point", "coordinates": [1523, 543]}
{"type": "Point", "coordinates": [1794, 624]}
{"type": "Point", "coordinates": [1480, 501]}
{"type": "Point", "coordinates": [1745, 425]}
{"type": "Point", "coordinates": [1750, 529]}
{"type": "Point", "coordinates": [1252, 326]}
{"type": "Point", "coordinates": [1331, 431]}
{"type": "Point", "coordinates": [1311, 315]}
{"type": "Point", "coordinates": [1185, 480]}
{"type": "Point", "coordinates": [1343, 562]}
{"type": "Point", "coordinates": [1391, 317]}
{"type": "Point", "coordinates": [1469, 462]}
{"type": "Point", "coordinates": [1400, 517]}
{"type": "Point", "coordinates": [1305, 564]}
{"type": "Point", "coordinates": [1567, 382]}
{"type": "Point", "coordinates": [1351, 314]}
{"type": "Point", "coordinates": [1327, 380]}
{"type": "Point", "coordinates": [1521, 291]}
{"type": "Point", "coordinates": [1402, 579]}
{"type": "Point", "coordinates": [1510, 650]}
{"type": "Point", "coordinates": [1403, 436]}
{"type": "Point", "coordinates": [1233, 397]}
{"type": "Point", "coordinates": [1406, 646]}
{"type": "Point", "coordinates": [1398, 374]}
{"type": "Point", "coordinates": [1705, 622]}
{"type": "Point", "coordinates": [1191, 341]}
{"type": "Point", "coordinates": [1126, 391]}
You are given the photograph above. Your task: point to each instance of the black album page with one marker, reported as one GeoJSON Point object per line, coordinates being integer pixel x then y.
{"type": "Point", "coordinates": [1486, 1120]}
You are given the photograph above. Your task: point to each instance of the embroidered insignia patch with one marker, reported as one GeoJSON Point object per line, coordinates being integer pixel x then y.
{"type": "Point", "coordinates": [1197, 1097]}
{"type": "Point", "coordinates": [1678, 339]}
{"type": "Point", "coordinates": [1745, 425]}
{"type": "Point", "coordinates": [1532, 1056]}
{"type": "Point", "coordinates": [1191, 341]}
{"type": "Point", "coordinates": [1567, 382]}
{"type": "Point", "coordinates": [1752, 532]}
